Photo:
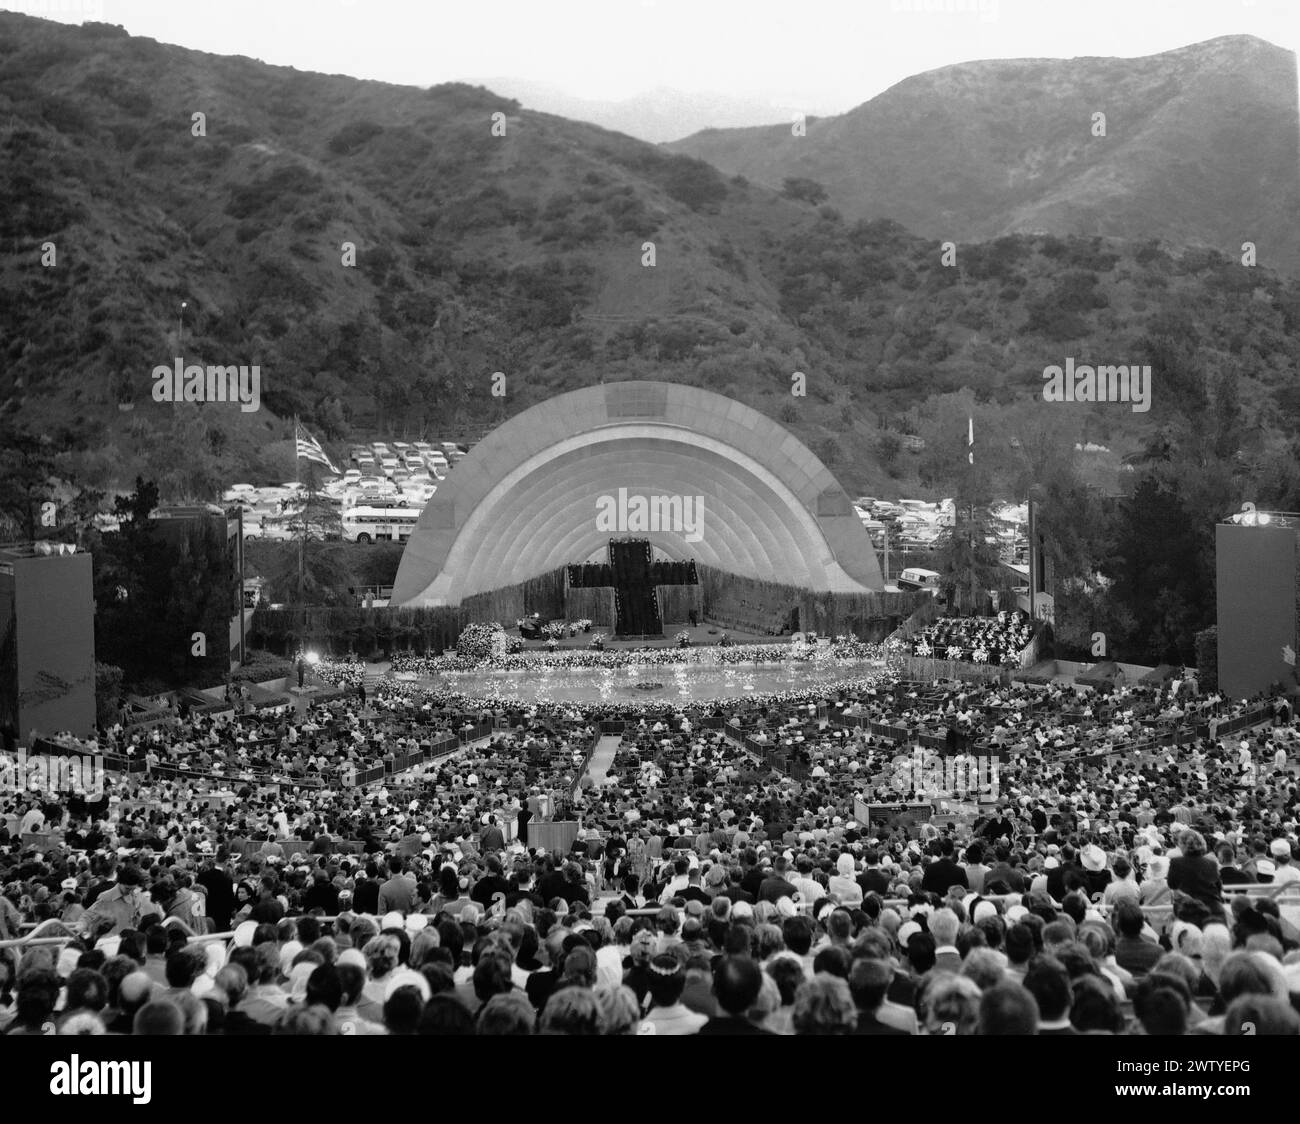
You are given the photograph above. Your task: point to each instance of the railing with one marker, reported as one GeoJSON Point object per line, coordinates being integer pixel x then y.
{"type": "Point", "coordinates": [132, 766]}
{"type": "Point", "coordinates": [581, 770]}
{"type": "Point", "coordinates": [772, 756]}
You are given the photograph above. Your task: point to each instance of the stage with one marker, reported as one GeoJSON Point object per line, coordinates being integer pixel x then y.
{"type": "Point", "coordinates": [702, 636]}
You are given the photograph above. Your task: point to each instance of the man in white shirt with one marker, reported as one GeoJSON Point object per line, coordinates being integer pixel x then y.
{"type": "Point", "coordinates": [679, 881]}
{"type": "Point", "coordinates": [32, 821]}
{"type": "Point", "coordinates": [1283, 856]}
{"type": "Point", "coordinates": [668, 1015]}
{"type": "Point", "coordinates": [810, 890]}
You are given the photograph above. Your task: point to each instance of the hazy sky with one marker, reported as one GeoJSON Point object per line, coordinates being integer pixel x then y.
{"type": "Point", "coordinates": [828, 55]}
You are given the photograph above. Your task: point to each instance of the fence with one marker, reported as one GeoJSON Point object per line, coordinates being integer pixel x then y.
{"type": "Point", "coordinates": [928, 670]}
{"type": "Point", "coordinates": [921, 737]}
{"type": "Point", "coordinates": [772, 756]}
{"type": "Point", "coordinates": [440, 747]}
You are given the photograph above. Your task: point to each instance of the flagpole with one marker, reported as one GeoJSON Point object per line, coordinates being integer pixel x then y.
{"type": "Point", "coordinates": [302, 533]}
{"type": "Point", "coordinates": [970, 504]}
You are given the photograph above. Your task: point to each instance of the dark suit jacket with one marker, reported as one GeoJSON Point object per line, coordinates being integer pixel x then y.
{"type": "Point", "coordinates": [365, 898]}
{"type": "Point", "coordinates": [1199, 877]}
{"type": "Point", "coordinates": [724, 1024]}
{"type": "Point", "coordinates": [1058, 883]}
{"type": "Point", "coordinates": [774, 888]}
{"type": "Point", "coordinates": [1005, 872]}
{"type": "Point", "coordinates": [237, 1023]}
{"type": "Point", "coordinates": [941, 874]}
{"type": "Point", "coordinates": [874, 881]}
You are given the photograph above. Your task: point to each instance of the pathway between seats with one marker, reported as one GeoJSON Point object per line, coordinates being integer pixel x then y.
{"type": "Point", "coordinates": [603, 758]}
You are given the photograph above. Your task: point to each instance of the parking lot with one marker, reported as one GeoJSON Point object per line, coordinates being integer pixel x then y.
{"type": "Point", "coordinates": [381, 474]}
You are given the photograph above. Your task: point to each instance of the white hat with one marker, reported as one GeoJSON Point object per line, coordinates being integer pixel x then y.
{"type": "Point", "coordinates": [406, 977]}
{"type": "Point", "coordinates": [392, 920]}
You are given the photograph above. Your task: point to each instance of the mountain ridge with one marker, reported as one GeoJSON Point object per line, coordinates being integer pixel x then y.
{"type": "Point", "coordinates": [938, 153]}
{"type": "Point", "coordinates": [523, 254]}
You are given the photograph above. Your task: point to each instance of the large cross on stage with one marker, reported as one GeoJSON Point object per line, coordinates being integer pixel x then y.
{"type": "Point", "coordinates": [634, 574]}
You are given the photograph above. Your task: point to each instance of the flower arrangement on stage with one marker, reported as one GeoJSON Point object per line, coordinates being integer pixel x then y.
{"type": "Point", "coordinates": [480, 643]}
{"type": "Point", "coordinates": [802, 695]}
{"type": "Point", "coordinates": [847, 650]}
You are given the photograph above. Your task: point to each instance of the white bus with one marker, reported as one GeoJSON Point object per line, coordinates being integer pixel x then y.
{"type": "Point", "coordinates": [916, 578]}
{"type": "Point", "coordinates": [379, 524]}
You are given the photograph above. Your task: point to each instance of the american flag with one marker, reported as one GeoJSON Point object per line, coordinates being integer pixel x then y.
{"type": "Point", "coordinates": [309, 449]}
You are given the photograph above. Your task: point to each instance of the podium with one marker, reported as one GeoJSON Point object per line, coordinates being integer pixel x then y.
{"type": "Point", "coordinates": [556, 836]}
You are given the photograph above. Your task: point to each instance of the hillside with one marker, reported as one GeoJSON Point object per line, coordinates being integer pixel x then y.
{"type": "Point", "coordinates": [522, 254]}
{"type": "Point", "coordinates": [1200, 150]}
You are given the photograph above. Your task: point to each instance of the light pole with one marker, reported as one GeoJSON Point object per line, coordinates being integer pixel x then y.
{"type": "Point", "coordinates": [180, 326]}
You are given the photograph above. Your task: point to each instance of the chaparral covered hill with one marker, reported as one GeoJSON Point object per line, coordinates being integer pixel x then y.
{"type": "Point", "coordinates": [523, 254]}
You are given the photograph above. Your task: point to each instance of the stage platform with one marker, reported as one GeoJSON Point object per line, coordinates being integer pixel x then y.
{"type": "Point", "coordinates": [702, 636]}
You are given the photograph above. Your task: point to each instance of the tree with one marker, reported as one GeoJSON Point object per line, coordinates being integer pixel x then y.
{"type": "Point", "coordinates": [28, 474]}
{"type": "Point", "coordinates": [156, 588]}
{"type": "Point", "coordinates": [317, 521]}
{"type": "Point", "coordinates": [1155, 564]}
{"type": "Point", "coordinates": [1177, 379]}
{"type": "Point", "coordinates": [108, 694]}
{"type": "Point", "coordinates": [805, 190]}
{"type": "Point", "coordinates": [968, 563]}
{"type": "Point", "coordinates": [888, 447]}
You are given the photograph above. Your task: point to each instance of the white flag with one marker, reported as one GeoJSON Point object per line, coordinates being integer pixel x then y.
{"type": "Point", "coordinates": [970, 441]}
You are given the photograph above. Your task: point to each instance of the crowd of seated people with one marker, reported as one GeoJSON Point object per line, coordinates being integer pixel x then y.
{"type": "Point", "coordinates": [994, 639]}
{"type": "Point", "coordinates": [705, 893]}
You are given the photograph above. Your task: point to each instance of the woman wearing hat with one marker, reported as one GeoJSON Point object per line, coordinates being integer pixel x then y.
{"type": "Point", "coordinates": [843, 883]}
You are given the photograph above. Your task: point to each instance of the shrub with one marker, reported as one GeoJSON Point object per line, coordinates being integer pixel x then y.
{"type": "Point", "coordinates": [108, 693]}
{"type": "Point", "coordinates": [353, 136]}
{"type": "Point", "coordinates": [694, 182]}
{"type": "Point", "coordinates": [804, 190]}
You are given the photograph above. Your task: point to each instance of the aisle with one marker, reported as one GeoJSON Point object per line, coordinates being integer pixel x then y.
{"type": "Point", "coordinates": [603, 758]}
